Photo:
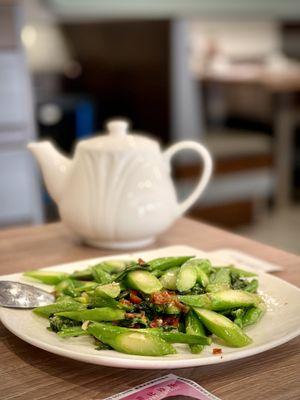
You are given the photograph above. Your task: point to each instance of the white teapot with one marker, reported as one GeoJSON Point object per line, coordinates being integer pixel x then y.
{"type": "Point", "coordinates": [117, 192]}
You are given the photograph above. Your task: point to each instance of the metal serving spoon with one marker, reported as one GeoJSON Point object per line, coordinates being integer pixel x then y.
{"type": "Point", "coordinates": [20, 295]}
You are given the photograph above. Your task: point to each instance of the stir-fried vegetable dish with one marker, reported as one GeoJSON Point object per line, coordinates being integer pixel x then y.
{"type": "Point", "coordinates": [144, 307]}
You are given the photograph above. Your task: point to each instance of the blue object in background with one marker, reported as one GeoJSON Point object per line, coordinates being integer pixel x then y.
{"type": "Point", "coordinates": [84, 115]}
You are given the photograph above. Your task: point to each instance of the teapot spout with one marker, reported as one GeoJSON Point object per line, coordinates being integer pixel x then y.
{"type": "Point", "coordinates": [54, 167]}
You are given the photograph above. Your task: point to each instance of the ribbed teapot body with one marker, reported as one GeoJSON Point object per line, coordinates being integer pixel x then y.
{"type": "Point", "coordinates": [118, 196]}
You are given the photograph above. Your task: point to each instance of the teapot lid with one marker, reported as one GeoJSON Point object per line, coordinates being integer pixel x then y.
{"type": "Point", "coordinates": [117, 138]}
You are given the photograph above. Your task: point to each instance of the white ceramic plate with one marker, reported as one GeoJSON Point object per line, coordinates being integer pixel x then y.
{"type": "Point", "coordinates": [280, 324]}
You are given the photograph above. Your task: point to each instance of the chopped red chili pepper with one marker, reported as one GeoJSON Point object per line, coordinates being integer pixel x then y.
{"type": "Point", "coordinates": [217, 351]}
{"type": "Point", "coordinates": [171, 321]}
{"type": "Point", "coordinates": [134, 298]}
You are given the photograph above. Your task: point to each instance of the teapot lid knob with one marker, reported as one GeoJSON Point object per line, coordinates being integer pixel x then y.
{"type": "Point", "coordinates": [117, 127]}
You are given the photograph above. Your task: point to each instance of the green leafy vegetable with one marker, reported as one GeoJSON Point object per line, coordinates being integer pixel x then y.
{"type": "Point", "coordinates": [144, 307]}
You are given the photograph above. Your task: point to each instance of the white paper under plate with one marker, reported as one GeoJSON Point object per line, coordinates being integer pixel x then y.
{"type": "Point", "coordinates": [280, 324]}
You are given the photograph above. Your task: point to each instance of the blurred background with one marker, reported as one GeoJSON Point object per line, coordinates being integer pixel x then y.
{"type": "Point", "coordinates": [223, 73]}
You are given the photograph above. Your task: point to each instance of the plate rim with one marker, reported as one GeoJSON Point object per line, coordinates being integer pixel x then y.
{"type": "Point", "coordinates": [145, 362]}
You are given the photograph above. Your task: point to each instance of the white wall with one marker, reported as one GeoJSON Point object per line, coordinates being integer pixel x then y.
{"type": "Point", "coordinates": [95, 9]}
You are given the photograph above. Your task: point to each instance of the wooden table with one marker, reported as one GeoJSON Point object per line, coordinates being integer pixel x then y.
{"type": "Point", "coordinates": [29, 373]}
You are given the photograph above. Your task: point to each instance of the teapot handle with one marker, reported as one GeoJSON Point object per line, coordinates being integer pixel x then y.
{"type": "Point", "coordinates": [206, 174]}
